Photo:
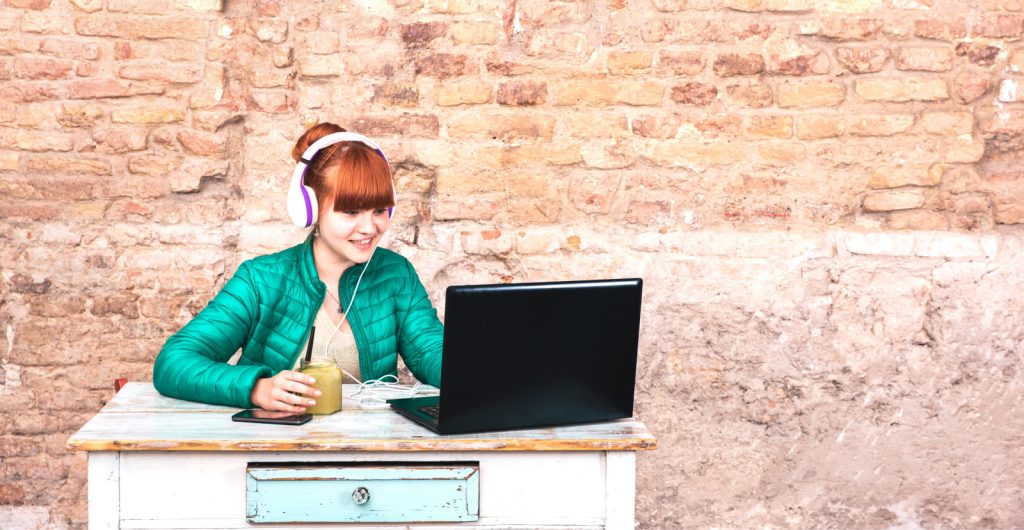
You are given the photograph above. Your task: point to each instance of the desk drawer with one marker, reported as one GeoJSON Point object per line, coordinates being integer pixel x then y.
{"type": "Point", "coordinates": [342, 492]}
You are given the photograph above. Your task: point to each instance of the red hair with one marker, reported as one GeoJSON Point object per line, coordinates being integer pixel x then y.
{"type": "Point", "coordinates": [345, 175]}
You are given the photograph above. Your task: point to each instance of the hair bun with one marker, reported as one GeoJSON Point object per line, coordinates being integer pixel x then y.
{"type": "Point", "coordinates": [313, 134]}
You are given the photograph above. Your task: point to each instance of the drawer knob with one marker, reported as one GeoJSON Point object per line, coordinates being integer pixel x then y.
{"type": "Point", "coordinates": [360, 495]}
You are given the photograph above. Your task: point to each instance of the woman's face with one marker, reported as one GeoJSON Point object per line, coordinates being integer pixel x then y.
{"type": "Point", "coordinates": [353, 234]}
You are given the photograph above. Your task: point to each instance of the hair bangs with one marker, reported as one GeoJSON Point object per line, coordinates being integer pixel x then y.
{"type": "Point", "coordinates": [362, 181]}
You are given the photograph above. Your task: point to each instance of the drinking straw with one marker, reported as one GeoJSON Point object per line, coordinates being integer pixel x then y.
{"type": "Point", "coordinates": [309, 345]}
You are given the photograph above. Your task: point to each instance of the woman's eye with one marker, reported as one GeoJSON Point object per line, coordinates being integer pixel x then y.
{"type": "Point", "coordinates": [352, 212]}
{"type": "Point", "coordinates": [380, 211]}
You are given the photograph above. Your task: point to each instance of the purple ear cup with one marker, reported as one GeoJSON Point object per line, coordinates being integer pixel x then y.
{"type": "Point", "coordinates": [309, 205]}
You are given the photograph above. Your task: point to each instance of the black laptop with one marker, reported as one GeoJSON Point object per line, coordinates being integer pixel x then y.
{"type": "Point", "coordinates": [533, 355]}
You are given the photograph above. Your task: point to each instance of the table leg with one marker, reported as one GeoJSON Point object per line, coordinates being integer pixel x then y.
{"type": "Point", "coordinates": [620, 490]}
{"type": "Point", "coordinates": [104, 489]}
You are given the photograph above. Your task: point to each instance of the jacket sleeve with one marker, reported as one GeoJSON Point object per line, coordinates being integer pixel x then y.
{"type": "Point", "coordinates": [193, 362]}
{"type": "Point", "coordinates": [420, 333]}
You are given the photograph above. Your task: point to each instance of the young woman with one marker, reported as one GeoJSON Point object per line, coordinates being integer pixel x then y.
{"type": "Point", "coordinates": [366, 311]}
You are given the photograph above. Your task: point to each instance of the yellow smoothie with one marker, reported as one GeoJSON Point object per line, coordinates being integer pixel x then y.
{"type": "Point", "coordinates": [328, 380]}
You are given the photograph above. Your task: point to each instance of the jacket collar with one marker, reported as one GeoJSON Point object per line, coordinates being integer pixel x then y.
{"type": "Point", "coordinates": [307, 268]}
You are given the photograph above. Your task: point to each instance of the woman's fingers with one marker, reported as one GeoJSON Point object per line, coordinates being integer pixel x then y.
{"type": "Point", "coordinates": [299, 383]}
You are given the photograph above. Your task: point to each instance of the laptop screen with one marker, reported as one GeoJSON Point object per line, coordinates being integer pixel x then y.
{"type": "Point", "coordinates": [535, 354]}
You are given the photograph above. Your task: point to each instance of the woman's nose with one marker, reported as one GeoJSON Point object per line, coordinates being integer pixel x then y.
{"type": "Point", "coordinates": [365, 223]}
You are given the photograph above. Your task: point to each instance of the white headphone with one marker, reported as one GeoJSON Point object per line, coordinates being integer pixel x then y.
{"type": "Point", "coordinates": [302, 205]}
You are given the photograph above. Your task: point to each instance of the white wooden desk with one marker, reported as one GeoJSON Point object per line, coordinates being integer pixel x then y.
{"type": "Point", "coordinates": [157, 462]}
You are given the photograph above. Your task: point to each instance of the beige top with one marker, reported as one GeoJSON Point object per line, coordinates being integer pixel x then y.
{"type": "Point", "coordinates": [342, 349]}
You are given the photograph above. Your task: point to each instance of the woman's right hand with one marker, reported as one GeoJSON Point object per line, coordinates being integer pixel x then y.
{"type": "Point", "coordinates": [287, 391]}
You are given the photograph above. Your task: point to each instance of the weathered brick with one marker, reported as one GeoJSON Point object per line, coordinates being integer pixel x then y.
{"type": "Point", "coordinates": [69, 166]}
{"type": "Point", "coordinates": [555, 154]}
{"type": "Point", "coordinates": [322, 43]}
{"type": "Point", "coordinates": [397, 94]}
{"type": "Point", "coordinates": [910, 175]}
{"type": "Point", "coordinates": [452, 7]}
{"type": "Point", "coordinates": [999, 26]}
{"type": "Point", "coordinates": [147, 7]}
{"type": "Point", "coordinates": [629, 62]}
{"type": "Point", "coordinates": [38, 5]}
{"type": "Point", "coordinates": [978, 53]}
{"type": "Point", "coordinates": [421, 34]}
{"type": "Point", "coordinates": [732, 64]}
{"type": "Point", "coordinates": [507, 68]}
{"type": "Point", "coordinates": [559, 45]}
{"type": "Point", "coordinates": [843, 29]}
{"type": "Point", "coordinates": [818, 126]}
{"type": "Point", "coordinates": [160, 72]}
{"type": "Point", "coordinates": [767, 126]}
{"type": "Point", "coordinates": [879, 125]}
{"type": "Point", "coordinates": [270, 30]}
{"type": "Point", "coordinates": [889, 200]}
{"type": "Point", "coordinates": [598, 125]}
{"type": "Point", "coordinates": [471, 207]}
{"type": "Point", "coordinates": [594, 192]}
{"type": "Point", "coordinates": [1006, 191]}
{"type": "Point", "coordinates": [694, 93]}
{"type": "Point", "coordinates": [411, 125]}
{"type": "Point", "coordinates": [200, 5]}
{"type": "Point", "coordinates": [798, 62]}
{"type": "Point", "coordinates": [9, 161]}
{"type": "Point", "coordinates": [153, 165]}
{"type": "Point", "coordinates": [136, 27]}
{"type": "Point", "coordinates": [522, 93]}
{"type": "Point", "coordinates": [781, 153]}
{"type": "Point", "coordinates": [969, 86]}
{"type": "Point", "coordinates": [811, 94]}
{"type": "Point", "coordinates": [674, 153]}
{"type": "Point", "coordinates": [69, 49]}
{"type": "Point", "coordinates": [907, 89]}
{"type": "Point", "coordinates": [146, 115]}
{"type": "Point", "coordinates": [26, 68]}
{"type": "Point", "coordinates": [649, 213]}
{"type": "Point", "coordinates": [442, 65]}
{"type": "Point", "coordinates": [754, 95]}
{"type": "Point", "coordinates": [862, 60]}
{"type": "Point", "coordinates": [271, 101]}
{"type": "Point", "coordinates": [202, 143]}
{"type": "Point", "coordinates": [598, 92]}
{"type": "Point", "coordinates": [119, 140]}
{"type": "Point", "coordinates": [473, 32]}
{"type": "Point", "coordinates": [948, 123]}
{"type": "Point", "coordinates": [614, 154]}
{"type": "Point", "coordinates": [941, 29]}
{"type": "Point", "coordinates": [503, 126]}
{"type": "Point", "coordinates": [28, 140]}
{"type": "Point", "coordinates": [541, 13]}
{"type": "Point", "coordinates": [925, 59]}
{"type": "Point", "coordinates": [320, 65]}
{"type": "Point", "coordinates": [487, 242]}
{"type": "Point", "coordinates": [88, 6]}
{"type": "Point", "coordinates": [462, 91]}
{"type": "Point", "coordinates": [1016, 63]}
{"type": "Point", "coordinates": [109, 88]}
{"type": "Point", "coordinates": [680, 62]}
{"type": "Point", "coordinates": [283, 56]}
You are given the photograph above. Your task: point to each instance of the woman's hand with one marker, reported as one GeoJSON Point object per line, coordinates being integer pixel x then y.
{"type": "Point", "coordinates": [287, 391]}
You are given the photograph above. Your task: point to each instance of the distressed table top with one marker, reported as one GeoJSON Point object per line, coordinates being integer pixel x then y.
{"type": "Point", "coordinates": [140, 419]}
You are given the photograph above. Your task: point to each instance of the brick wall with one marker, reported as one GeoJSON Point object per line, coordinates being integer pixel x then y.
{"type": "Point", "coordinates": [824, 199]}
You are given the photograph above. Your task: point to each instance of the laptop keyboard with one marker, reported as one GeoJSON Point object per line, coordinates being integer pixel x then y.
{"type": "Point", "coordinates": [432, 411]}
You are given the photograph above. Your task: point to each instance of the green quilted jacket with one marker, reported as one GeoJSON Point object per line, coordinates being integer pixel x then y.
{"type": "Point", "coordinates": [267, 310]}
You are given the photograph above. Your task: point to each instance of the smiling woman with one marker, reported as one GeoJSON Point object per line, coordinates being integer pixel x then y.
{"type": "Point", "coordinates": [343, 188]}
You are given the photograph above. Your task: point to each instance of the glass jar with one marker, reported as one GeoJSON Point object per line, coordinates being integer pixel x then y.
{"type": "Point", "coordinates": [328, 381]}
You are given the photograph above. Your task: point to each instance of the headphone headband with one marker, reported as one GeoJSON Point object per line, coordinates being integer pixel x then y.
{"type": "Point", "coordinates": [302, 203]}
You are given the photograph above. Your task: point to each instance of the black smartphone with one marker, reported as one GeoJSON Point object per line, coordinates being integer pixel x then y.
{"type": "Point", "coordinates": [269, 416]}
